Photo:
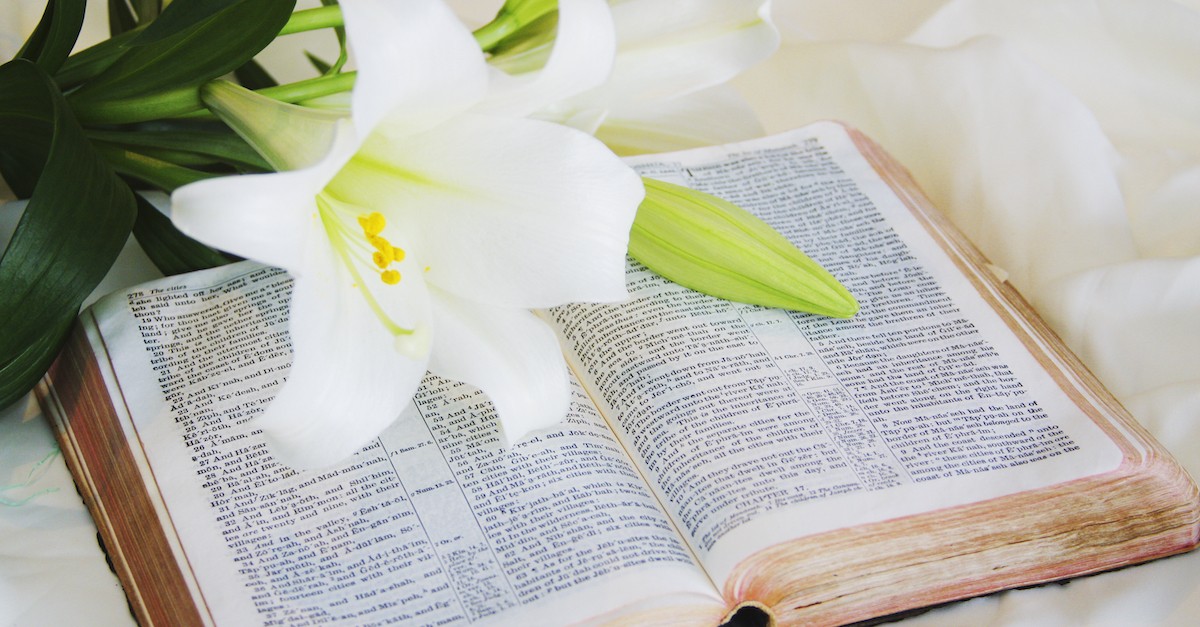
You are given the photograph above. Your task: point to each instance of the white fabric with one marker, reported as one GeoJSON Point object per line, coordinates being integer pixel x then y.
{"type": "Point", "coordinates": [1062, 135]}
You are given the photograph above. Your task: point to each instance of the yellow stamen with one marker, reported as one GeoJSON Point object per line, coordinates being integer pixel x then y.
{"type": "Point", "coordinates": [385, 254]}
{"type": "Point", "coordinates": [350, 249]}
{"type": "Point", "coordinates": [372, 224]}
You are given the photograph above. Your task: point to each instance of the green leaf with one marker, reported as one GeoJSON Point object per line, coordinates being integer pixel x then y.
{"type": "Point", "coordinates": [253, 76]}
{"type": "Point", "coordinates": [159, 79]}
{"type": "Point", "coordinates": [322, 66]}
{"type": "Point", "coordinates": [19, 375]}
{"type": "Point", "coordinates": [207, 144]}
{"type": "Point", "coordinates": [128, 15]}
{"type": "Point", "coordinates": [713, 246]}
{"type": "Point", "coordinates": [179, 16]}
{"type": "Point", "coordinates": [21, 169]}
{"type": "Point", "coordinates": [120, 18]}
{"type": "Point", "coordinates": [78, 218]}
{"type": "Point", "coordinates": [147, 10]}
{"type": "Point", "coordinates": [158, 173]}
{"type": "Point", "coordinates": [51, 42]}
{"type": "Point", "coordinates": [170, 250]}
{"type": "Point", "coordinates": [89, 62]}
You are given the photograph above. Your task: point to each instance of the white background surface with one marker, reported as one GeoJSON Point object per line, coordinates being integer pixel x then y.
{"type": "Point", "coordinates": [1063, 136]}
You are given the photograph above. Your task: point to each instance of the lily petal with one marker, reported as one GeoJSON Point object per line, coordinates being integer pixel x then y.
{"type": "Point", "coordinates": [510, 354]}
{"type": "Point", "coordinates": [535, 216]}
{"type": "Point", "coordinates": [347, 381]}
{"type": "Point", "coordinates": [717, 115]}
{"type": "Point", "coordinates": [266, 217]}
{"type": "Point", "coordinates": [581, 59]}
{"type": "Point", "coordinates": [416, 62]}
{"type": "Point", "coordinates": [667, 48]}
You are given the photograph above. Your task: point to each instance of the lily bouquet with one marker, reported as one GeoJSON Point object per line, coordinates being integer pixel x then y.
{"type": "Point", "coordinates": [424, 201]}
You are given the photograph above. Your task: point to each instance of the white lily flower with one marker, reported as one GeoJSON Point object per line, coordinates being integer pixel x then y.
{"type": "Point", "coordinates": [419, 233]}
{"type": "Point", "coordinates": [665, 90]}
{"type": "Point", "coordinates": [713, 116]}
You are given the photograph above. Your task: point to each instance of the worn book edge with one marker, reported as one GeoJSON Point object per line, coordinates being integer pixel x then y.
{"type": "Point", "coordinates": [89, 431]}
{"type": "Point", "coordinates": [1083, 526]}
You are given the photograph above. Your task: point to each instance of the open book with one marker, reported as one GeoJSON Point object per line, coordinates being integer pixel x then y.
{"type": "Point", "coordinates": [718, 458]}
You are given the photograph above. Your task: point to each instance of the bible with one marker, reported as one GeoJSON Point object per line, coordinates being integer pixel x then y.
{"type": "Point", "coordinates": [719, 462]}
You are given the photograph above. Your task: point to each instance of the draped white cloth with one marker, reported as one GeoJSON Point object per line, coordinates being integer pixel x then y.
{"type": "Point", "coordinates": [1063, 136]}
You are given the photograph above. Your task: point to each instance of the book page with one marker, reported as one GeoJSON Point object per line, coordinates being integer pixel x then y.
{"type": "Point", "coordinates": [757, 425]}
{"type": "Point", "coordinates": [434, 522]}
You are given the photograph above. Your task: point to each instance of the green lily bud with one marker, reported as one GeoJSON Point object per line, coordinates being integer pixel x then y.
{"type": "Point", "coordinates": [288, 136]}
{"type": "Point", "coordinates": [713, 246]}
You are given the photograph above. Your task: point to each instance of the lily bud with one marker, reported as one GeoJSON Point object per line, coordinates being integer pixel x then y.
{"type": "Point", "coordinates": [288, 136]}
{"type": "Point", "coordinates": [713, 246]}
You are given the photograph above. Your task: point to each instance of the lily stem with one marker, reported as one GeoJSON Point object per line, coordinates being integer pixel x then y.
{"type": "Point", "coordinates": [308, 89]}
{"type": "Point", "coordinates": [185, 103]}
{"type": "Point", "coordinates": [490, 34]}
{"type": "Point", "coordinates": [512, 17]}
{"type": "Point", "coordinates": [313, 19]}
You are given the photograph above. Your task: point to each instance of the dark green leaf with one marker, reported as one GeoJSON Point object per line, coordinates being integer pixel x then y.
{"type": "Point", "coordinates": [87, 63]}
{"type": "Point", "coordinates": [179, 16]}
{"type": "Point", "coordinates": [120, 18]}
{"type": "Point", "coordinates": [159, 174]}
{"type": "Point", "coordinates": [147, 10]}
{"type": "Point", "coordinates": [210, 146]}
{"type": "Point", "coordinates": [20, 374]}
{"type": "Point", "coordinates": [78, 218]}
{"type": "Point", "coordinates": [51, 42]}
{"type": "Point", "coordinates": [21, 169]}
{"type": "Point", "coordinates": [252, 76]}
{"type": "Point", "coordinates": [159, 79]}
{"type": "Point", "coordinates": [322, 66]}
{"type": "Point", "coordinates": [172, 251]}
